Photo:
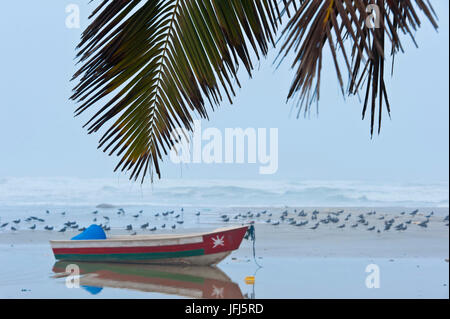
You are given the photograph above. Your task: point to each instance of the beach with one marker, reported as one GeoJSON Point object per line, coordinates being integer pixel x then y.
{"type": "Point", "coordinates": [330, 261]}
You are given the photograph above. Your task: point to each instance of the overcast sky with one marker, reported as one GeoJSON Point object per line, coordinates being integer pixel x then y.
{"type": "Point", "coordinates": [40, 137]}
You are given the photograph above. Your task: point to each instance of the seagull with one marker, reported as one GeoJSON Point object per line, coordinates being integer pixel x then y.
{"type": "Point", "coordinates": [342, 226]}
{"type": "Point", "coordinates": [95, 219]}
{"type": "Point", "coordinates": [413, 213]}
{"type": "Point", "coordinates": [16, 221]}
{"type": "Point", "coordinates": [4, 225]}
{"type": "Point", "coordinates": [354, 225]}
{"type": "Point", "coordinates": [424, 224]}
{"type": "Point", "coordinates": [62, 230]}
{"type": "Point", "coordinates": [95, 213]}
{"type": "Point", "coordinates": [180, 222]}
{"type": "Point", "coordinates": [144, 225]}
{"type": "Point", "coordinates": [153, 229]}
{"type": "Point", "coordinates": [157, 215]}
{"type": "Point", "coordinates": [197, 214]}
{"type": "Point", "coordinates": [163, 226]}
{"type": "Point", "coordinates": [224, 216]}
{"type": "Point", "coordinates": [141, 211]}
{"type": "Point", "coordinates": [129, 227]}
{"type": "Point", "coordinates": [226, 219]}
{"type": "Point", "coordinates": [136, 216]}
{"type": "Point", "coordinates": [371, 228]}
{"type": "Point", "coordinates": [63, 213]}
{"type": "Point", "coordinates": [174, 226]}
{"type": "Point", "coordinates": [48, 212]}
{"type": "Point", "coordinates": [81, 229]}
{"type": "Point", "coordinates": [106, 217]}
{"type": "Point", "coordinates": [268, 221]}
{"type": "Point", "coordinates": [408, 222]}
{"type": "Point", "coordinates": [429, 215]}
{"type": "Point", "coordinates": [13, 228]}
{"type": "Point", "coordinates": [315, 226]}
{"type": "Point", "coordinates": [133, 234]}
{"type": "Point", "coordinates": [177, 216]}
{"type": "Point", "coordinates": [276, 223]}
{"type": "Point", "coordinates": [48, 227]}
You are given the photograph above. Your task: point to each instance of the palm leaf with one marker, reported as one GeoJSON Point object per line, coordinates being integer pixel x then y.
{"type": "Point", "coordinates": [341, 26]}
{"type": "Point", "coordinates": [148, 66]}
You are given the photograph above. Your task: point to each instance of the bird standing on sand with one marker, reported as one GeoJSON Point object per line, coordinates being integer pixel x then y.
{"type": "Point", "coordinates": [197, 214]}
{"type": "Point", "coordinates": [414, 212]}
{"type": "Point", "coordinates": [153, 229]}
{"type": "Point", "coordinates": [129, 227]}
{"type": "Point", "coordinates": [276, 223]}
{"type": "Point", "coordinates": [144, 225]}
{"type": "Point", "coordinates": [16, 221]}
{"type": "Point", "coordinates": [33, 227]}
{"type": "Point", "coordinates": [62, 230]}
{"type": "Point", "coordinates": [13, 228]}
{"type": "Point", "coordinates": [424, 224]}
{"type": "Point", "coordinates": [342, 226]}
{"type": "Point", "coordinates": [174, 226]}
{"type": "Point", "coordinates": [371, 228]}
{"type": "Point", "coordinates": [180, 221]}
{"type": "Point", "coordinates": [315, 226]}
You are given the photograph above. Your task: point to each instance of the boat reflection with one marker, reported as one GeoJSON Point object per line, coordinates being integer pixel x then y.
{"type": "Point", "coordinates": [185, 281]}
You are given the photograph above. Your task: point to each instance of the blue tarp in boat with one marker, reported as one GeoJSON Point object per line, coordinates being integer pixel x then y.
{"type": "Point", "coordinates": [92, 232]}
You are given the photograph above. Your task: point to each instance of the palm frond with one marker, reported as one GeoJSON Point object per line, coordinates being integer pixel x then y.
{"type": "Point", "coordinates": [148, 66]}
{"type": "Point", "coordinates": [341, 25]}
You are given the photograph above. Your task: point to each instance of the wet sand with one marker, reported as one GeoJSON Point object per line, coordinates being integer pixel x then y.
{"type": "Point", "coordinates": [297, 262]}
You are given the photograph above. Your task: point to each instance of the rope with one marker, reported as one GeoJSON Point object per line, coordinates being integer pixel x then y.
{"type": "Point", "coordinates": [251, 234]}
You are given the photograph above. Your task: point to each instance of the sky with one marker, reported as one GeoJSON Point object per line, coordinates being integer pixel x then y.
{"type": "Point", "coordinates": [39, 136]}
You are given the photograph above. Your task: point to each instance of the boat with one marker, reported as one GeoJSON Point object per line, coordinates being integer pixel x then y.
{"type": "Point", "coordinates": [203, 249]}
{"type": "Point", "coordinates": [200, 282]}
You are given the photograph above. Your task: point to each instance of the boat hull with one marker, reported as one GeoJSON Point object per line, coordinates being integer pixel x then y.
{"type": "Point", "coordinates": [195, 249]}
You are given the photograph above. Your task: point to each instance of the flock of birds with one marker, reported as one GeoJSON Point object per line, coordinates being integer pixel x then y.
{"type": "Point", "coordinates": [103, 221]}
{"type": "Point", "coordinates": [371, 221]}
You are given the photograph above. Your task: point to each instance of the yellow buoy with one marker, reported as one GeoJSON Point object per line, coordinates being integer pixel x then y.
{"type": "Point", "coordinates": [250, 280]}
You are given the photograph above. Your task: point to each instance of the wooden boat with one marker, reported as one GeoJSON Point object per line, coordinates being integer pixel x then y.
{"type": "Point", "coordinates": [204, 249]}
{"type": "Point", "coordinates": [185, 281]}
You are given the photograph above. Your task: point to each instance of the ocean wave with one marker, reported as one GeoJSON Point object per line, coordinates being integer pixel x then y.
{"type": "Point", "coordinates": [217, 193]}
